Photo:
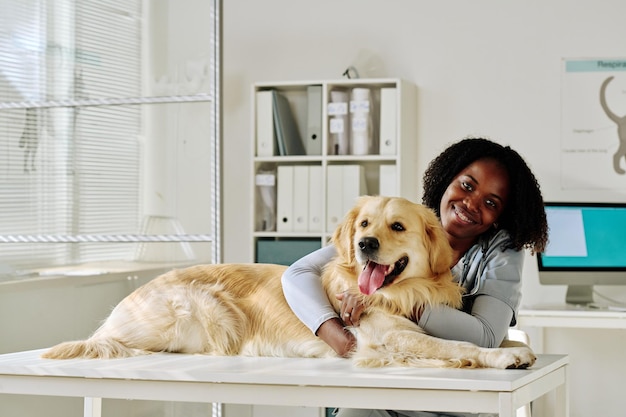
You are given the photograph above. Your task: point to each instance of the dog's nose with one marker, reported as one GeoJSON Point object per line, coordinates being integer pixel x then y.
{"type": "Point", "coordinates": [369, 244]}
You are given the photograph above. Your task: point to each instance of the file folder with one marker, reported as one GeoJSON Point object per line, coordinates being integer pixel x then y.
{"type": "Point", "coordinates": [388, 122]}
{"type": "Point", "coordinates": [266, 201]}
{"type": "Point", "coordinates": [284, 198]}
{"type": "Point", "coordinates": [287, 133]}
{"type": "Point", "coordinates": [388, 181]}
{"type": "Point", "coordinates": [300, 198]}
{"type": "Point", "coordinates": [316, 206]}
{"type": "Point", "coordinates": [353, 179]}
{"type": "Point", "coordinates": [314, 120]}
{"type": "Point", "coordinates": [334, 201]}
{"type": "Point", "coordinates": [265, 136]}
{"type": "Point", "coordinates": [361, 123]}
{"type": "Point", "coordinates": [338, 123]}
{"type": "Point", "coordinates": [344, 184]}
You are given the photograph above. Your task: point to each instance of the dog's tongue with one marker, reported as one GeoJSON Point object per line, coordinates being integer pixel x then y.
{"type": "Point", "coordinates": [372, 278]}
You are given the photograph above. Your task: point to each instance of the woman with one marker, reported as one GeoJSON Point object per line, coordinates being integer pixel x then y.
{"type": "Point", "coordinates": [491, 208]}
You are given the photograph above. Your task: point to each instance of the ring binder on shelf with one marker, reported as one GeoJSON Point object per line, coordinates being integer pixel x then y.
{"type": "Point", "coordinates": [266, 186]}
{"type": "Point", "coordinates": [265, 135]}
{"type": "Point", "coordinates": [314, 120]}
{"type": "Point", "coordinates": [287, 133]}
{"type": "Point", "coordinates": [339, 143]}
{"type": "Point", "coordinates": [284, 199]}
{"type": "Point", "coordinates": [361, 124]}
{"type": "Point", "coordinates": [388, 123]}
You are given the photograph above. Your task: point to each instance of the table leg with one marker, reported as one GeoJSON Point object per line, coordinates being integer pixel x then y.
{"type": "Point", "coordinates": [561, 408]}
{"type": "Point", "coordinates": [93, 407]}
{"type": "Point", "coordinates": [506, 405]}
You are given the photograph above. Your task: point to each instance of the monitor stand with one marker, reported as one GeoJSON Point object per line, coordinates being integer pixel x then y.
{"type": "Point", "coordinates": [579, 294]}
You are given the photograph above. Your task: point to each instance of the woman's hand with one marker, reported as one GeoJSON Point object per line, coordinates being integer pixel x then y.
{"type": "Point", "coordinates": [334, 333]}
{"type": "Point", "coordinates": [351, 308]}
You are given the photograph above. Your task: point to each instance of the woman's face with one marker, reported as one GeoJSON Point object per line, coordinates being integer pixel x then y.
{"type": "Point", "coordinates": [474, 200]}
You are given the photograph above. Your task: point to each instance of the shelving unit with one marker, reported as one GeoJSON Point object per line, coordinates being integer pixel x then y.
{"type": "Point", "coordinates": [283, 243]}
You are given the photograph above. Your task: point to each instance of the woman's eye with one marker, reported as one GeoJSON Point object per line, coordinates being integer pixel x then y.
{"type": "Point", "coordinates": [466, 186]}
{"type": "Point", "coordinates": [397, 227]}
{"type": "Point", "coordinates": [491, 203]}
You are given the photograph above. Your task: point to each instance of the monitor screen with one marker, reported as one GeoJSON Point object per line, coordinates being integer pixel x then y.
{"type": "Point", "coordinates": [586, 247]}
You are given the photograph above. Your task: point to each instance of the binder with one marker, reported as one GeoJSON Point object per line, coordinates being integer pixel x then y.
{"type": "Point", "coordinates": [353, 179]}
{"type": "Point", "coordinates": [287, 133]}
{"type": "Point", "coordinates": [300, 198]}
{"type": "Point", "coordinates": [344, 184]}
{"type": "Point", "coordinates": [361, 124]}
{"type": "Point", "coordinates": [265, 136]}
{"type": "Point", "coordinates": [334, 201]}
{"type": "Point", "coordinates": [338, 123]}
{"type": "Point", "coordinates": [388, 181]}
{"type": "Point", "coordinates": [314, 120]}
{"type": "Point", "coordinates": [284, 198]}
{"type": "Point", "coordinates": [388, 121]}
{"type": "Point", "coordinates": [316, 199]}
{"type": "Point", "coordinates": [266, 201]}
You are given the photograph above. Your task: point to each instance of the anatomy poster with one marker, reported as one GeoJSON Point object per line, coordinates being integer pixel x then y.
{"type": "Point", "coordinates": [593, 124]}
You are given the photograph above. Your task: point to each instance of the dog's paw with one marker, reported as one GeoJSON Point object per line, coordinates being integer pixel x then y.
{"type": "Point", "coordinates": [512, 358]}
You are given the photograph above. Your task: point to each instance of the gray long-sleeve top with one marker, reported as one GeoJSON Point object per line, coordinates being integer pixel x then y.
{"type": "Point", "coordinates": [490, 274]}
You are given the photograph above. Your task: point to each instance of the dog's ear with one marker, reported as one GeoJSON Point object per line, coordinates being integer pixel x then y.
{"type": "Point", "coordinates": [440, 252]}
{"type": "Point", "coordinates": [342, 237]}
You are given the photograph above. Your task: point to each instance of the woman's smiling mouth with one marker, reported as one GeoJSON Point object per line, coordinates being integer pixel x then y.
{"type": "Point", "coordinates": [462, 215]}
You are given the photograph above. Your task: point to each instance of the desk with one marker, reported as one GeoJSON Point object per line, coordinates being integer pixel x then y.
{"type": "Point", "coordinates": [555, 328]}
{"type": "Point", "coordinates": [329, 382]}
{"type": "Point", "coordinates": [570, 316]}
{"type": "Point", "coordinates": [566, 316]}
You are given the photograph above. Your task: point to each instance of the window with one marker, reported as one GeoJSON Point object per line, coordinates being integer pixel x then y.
{"type": "Point", "coordinates": [109, 132]}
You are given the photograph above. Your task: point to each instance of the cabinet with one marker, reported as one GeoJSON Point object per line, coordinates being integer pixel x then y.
{"type": "Point", "coordinates": [317, 145]}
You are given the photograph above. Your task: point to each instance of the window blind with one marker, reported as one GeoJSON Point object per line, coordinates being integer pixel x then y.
{"type": "Point", "coordinates": [77, 96]}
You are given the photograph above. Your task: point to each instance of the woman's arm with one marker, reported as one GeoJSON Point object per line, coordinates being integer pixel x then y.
{"type": "Point", "coordinates": [489, 313]}
{"type": "Point", "coordinates": [302, 287]}
{"type": "Point", "coordinates": [486, 325]}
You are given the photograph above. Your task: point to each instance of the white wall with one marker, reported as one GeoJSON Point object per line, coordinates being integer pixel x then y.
{"type": "Point", "coordinates": [483, 67]}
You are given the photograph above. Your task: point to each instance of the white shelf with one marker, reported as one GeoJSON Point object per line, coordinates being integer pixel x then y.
{"type": "Point", "coordinates": [404, 159]}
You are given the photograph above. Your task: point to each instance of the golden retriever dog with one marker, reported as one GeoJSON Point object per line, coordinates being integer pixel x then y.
{"type": "Point", "coordinates": [391, 252]}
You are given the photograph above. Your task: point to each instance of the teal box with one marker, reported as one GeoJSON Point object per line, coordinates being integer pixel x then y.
{"type": "Point", "coordinates": [284, 251]}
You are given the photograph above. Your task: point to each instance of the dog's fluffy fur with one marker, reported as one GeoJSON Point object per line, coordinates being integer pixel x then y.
{"type": "Point", "coordinates": [239, 309]}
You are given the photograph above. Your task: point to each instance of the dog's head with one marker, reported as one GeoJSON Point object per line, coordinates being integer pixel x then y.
{"type": "Point", "coordinates": [391, 241]}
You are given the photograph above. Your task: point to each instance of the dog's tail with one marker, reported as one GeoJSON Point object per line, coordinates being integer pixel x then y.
{"type": "Point", "coordinates": [93, 348]}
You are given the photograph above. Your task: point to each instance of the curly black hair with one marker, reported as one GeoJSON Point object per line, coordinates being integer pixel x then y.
{"type": "Point", "coordinates": [524, 216]}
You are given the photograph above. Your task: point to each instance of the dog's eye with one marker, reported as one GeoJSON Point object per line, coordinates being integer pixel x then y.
{"type": "Point", "coordinates": [397, 227]}
{"type": "Point", "coordinates": [364, 223]}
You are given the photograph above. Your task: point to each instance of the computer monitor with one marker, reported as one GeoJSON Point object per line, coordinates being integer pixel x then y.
{"type": "Point", "coordinates": [586, 247]}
